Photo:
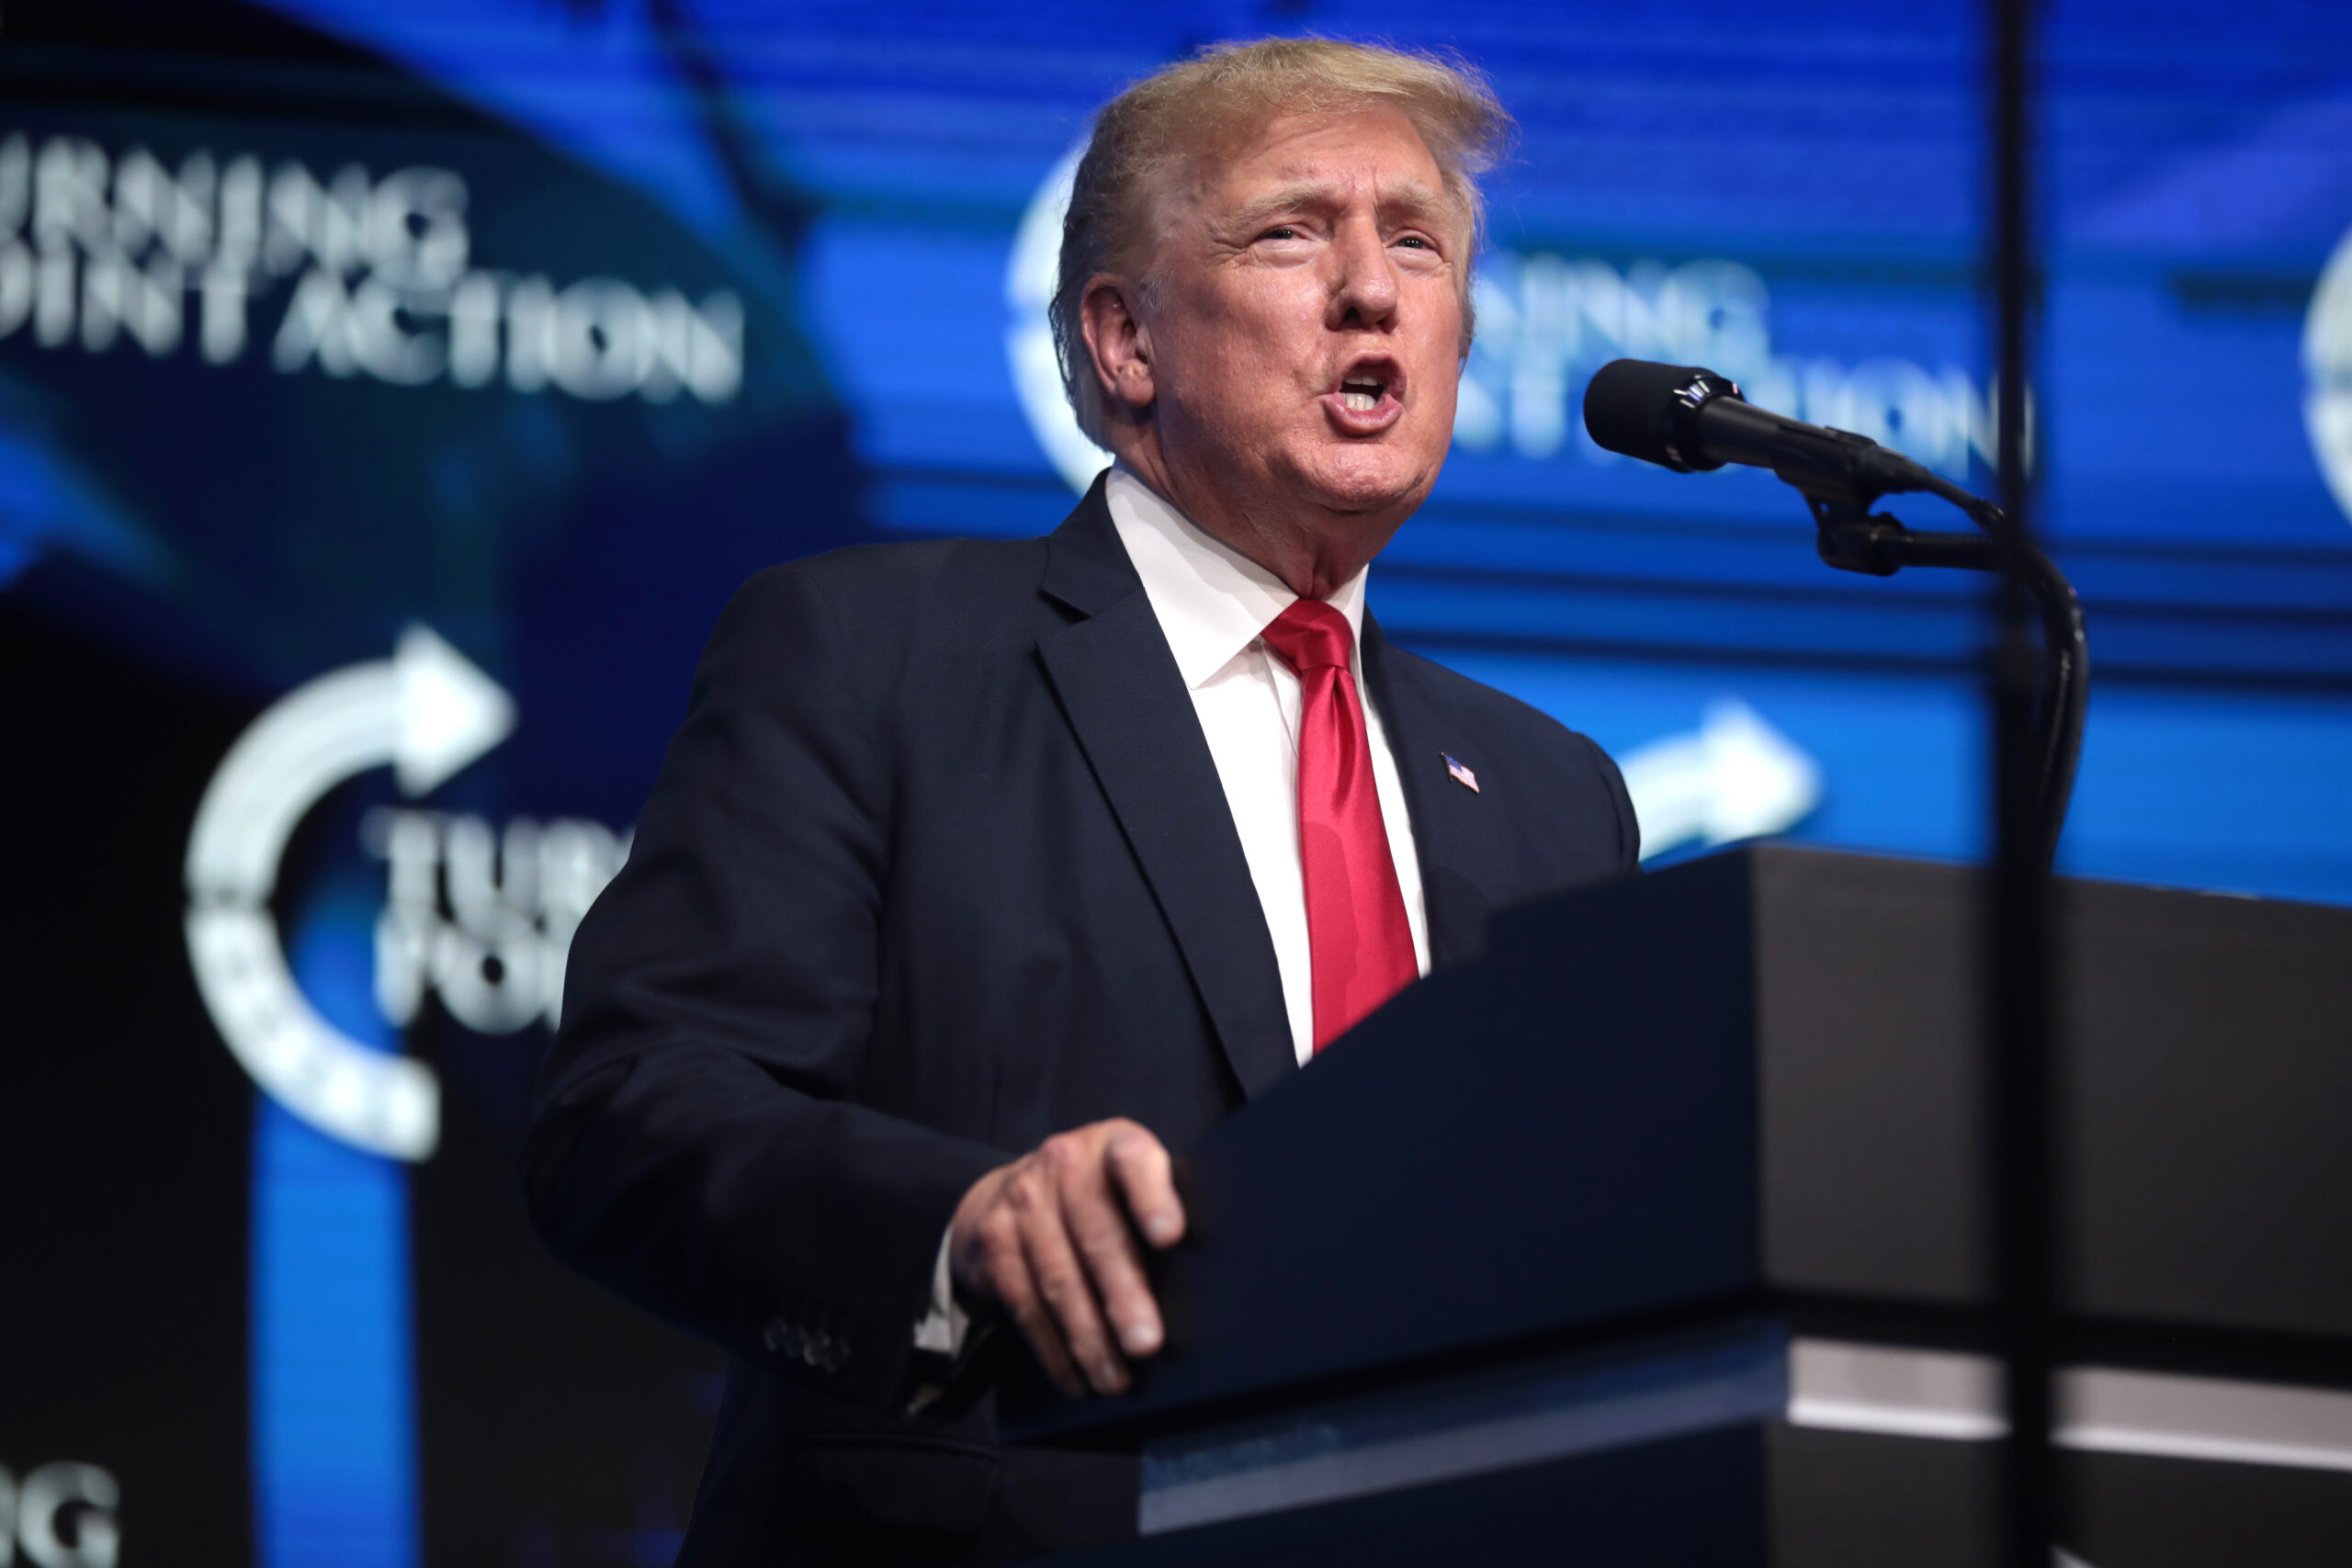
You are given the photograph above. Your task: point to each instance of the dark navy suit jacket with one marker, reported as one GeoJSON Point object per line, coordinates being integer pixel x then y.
{"type": "Point", "coordinates": [939, 864]}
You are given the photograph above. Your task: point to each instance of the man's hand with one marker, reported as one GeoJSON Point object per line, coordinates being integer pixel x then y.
{"type": "Point", "coordinates": [1048, 1238]}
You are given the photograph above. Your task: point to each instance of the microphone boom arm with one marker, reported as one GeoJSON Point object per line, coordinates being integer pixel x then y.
{"type": "Point", "coordinates": [1852, 538]}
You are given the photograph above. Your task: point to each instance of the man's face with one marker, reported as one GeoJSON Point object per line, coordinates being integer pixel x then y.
{"type": "Point", "coordinates": [1305, 325]}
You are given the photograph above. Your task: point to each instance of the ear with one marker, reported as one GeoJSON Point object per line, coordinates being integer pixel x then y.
{"type": "Point", "coordinates": [1118, 343]}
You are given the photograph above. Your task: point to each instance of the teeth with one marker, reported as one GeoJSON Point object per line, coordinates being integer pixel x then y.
{"type": "Point", "coordinates": [1360, 402]}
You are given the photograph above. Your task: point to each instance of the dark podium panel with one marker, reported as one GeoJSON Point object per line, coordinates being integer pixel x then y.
{"type": "Point", "coordinates": [1683, 1180]}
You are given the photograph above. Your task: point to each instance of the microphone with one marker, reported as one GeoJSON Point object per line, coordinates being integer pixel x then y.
{"type": "Point", "coordinates": [1691, 420]}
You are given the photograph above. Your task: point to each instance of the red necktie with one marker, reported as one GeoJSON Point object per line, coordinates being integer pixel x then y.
{"type": "Point", "coordinates": [1359, 944]}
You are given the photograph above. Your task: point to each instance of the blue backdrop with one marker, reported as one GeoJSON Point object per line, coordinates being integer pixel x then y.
{"type": "Point", "coordinates": [543, 323]}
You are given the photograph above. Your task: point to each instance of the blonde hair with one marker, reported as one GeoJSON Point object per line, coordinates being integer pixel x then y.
{"type": "Point", "coordinates": [1161, 127]}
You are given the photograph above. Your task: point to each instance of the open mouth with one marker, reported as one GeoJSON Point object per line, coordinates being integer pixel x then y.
{"type": "Point", "coordinates": [1374, 385]}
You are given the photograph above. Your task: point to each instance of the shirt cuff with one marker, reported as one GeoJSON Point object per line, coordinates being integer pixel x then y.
{"type": "Point", "coordinates": [942, 1329]}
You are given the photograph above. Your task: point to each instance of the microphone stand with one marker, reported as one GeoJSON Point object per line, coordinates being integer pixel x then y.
{"type": "Point", "coordinates": [1842, 484]}
{"type": "Point", "coordinates": [1853, 539]}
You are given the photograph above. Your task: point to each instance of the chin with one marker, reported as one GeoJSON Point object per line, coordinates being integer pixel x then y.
{"type": "Point", "coordinates": [1369, 477]}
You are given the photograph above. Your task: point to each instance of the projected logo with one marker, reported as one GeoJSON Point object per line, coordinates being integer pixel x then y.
{"type": "Point", "coordinates": [1545, 323]}
{"type": "Point", "coordinates": [2327, 372]}
{"type": "Point", "coordinates": [493, 950]}
{"type": "Point", "coordinates": [357, 274]}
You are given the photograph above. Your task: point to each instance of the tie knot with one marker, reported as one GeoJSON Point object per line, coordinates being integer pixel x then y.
{"type": "Point", "coordinates": [1310, 635]}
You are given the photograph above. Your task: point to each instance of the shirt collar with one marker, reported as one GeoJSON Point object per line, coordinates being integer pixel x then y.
{"type": "Point", "coordinates": [1212, 600]}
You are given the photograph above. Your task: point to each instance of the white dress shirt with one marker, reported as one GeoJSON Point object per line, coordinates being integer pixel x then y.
{"type": "Point", "coordinates": [1212, 603]}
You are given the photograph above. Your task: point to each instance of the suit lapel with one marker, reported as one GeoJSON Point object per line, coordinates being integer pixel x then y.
{"type": "Point", "coordinates": [1119, 685]}
{"type": "Point", "coordinates": [1455, 833]}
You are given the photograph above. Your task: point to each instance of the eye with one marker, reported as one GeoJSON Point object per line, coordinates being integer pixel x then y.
{"type": "Point", "coordinates": [1417, 242]}
{"type": "Point", "coordinates": [1279, 231]}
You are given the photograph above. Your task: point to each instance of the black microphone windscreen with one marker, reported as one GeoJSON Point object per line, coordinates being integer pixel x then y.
{"type": "Point", "coordinates": [1629, 404]}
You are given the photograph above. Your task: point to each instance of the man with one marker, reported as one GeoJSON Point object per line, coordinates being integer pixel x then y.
{"type": "Point", "coordinates": [1068, 845]}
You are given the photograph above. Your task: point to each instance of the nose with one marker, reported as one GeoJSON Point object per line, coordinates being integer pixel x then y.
{"type": "Point", "coordinates": [1364, 279]}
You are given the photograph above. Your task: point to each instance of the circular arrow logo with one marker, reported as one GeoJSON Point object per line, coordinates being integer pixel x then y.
{"type": "Point", "coordinates": [425, 713]}
{"type": "Point", "coordinates": [1031, 275]}
{"type": "Point", "coordinates": [2327, 372]}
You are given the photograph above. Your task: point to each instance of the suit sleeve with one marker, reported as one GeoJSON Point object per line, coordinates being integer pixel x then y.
{"type": "Point", "coordinates": [1629, 826]}
{"type": "Point", "coordinates": [694, 1145]}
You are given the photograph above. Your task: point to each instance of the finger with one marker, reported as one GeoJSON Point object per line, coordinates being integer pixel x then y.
{"type": "Point", "coordinates": [1014, 1288]}
{"type": "Point", "coordinates": [1098, 1226]}
{"type": "Point", "coordinates": [983, 1228]}
{"type": "Point", "coordinates": [1140, 1166]}
{"type": "Point", "coordinates": [1061, 1280]}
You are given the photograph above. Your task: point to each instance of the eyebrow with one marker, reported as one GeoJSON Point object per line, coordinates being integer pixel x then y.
{"type": "Point", "coordinates": [1409, 198]}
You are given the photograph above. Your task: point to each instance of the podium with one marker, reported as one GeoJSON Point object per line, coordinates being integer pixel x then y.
{"type": "Point", "coordinates": [1658, 1234]}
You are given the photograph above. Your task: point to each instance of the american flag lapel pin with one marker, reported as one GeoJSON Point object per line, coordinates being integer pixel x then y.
{"type": "Point", "coordinates": [1459, 774]}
